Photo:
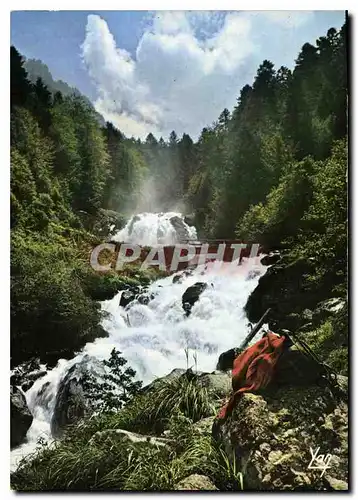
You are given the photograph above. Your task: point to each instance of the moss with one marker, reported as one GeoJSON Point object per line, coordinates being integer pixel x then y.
{"type": "Point", "coordinates": [327, 341]}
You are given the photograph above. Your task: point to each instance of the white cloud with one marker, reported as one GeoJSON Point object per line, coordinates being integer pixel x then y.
{"type": "Point", "coordinates": [177, 80]}
{"type": "Point", "coordinates": [188, 66]}
{"type": "Point", "coordinates": [171, 22]}
{"type": "Point", "coordinates": [289, 19]}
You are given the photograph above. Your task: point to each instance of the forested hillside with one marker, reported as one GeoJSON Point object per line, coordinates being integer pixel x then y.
{"type": "Point", "coordinates": [272, 170]}
{"type": "Point", "coordinates": [37, 69]}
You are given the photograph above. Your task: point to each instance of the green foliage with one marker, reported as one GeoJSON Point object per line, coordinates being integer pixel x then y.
{"type": "Point", "coordinates": [282, 119]}
{"type": "Point", "coordinates": [279, 219]}
{"type": "Point", "coordinates": [330, 342]}
{"type": "Point", "coordinates": [115, 388]}
{"type": "Point", "coordinates": [50, 312]}
{"type": "Point", "coordinates": [273, 171]}
{"type": "Point", "coordinates": [323, 236]}
{"type": "Point", "coordinates": [127, 170]}
{"type": "Point", "coordinates": [151, 410]}
{"type": "Point", "coordinates": [60, 170]}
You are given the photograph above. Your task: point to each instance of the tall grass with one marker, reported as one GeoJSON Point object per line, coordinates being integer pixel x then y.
{"type": "Point", "coordinates": [79, 463]}
{"type": "Point", "coordinates": [151, 411]}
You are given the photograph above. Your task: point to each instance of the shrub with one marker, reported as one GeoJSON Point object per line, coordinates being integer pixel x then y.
{"type": "Point", "coordinates": [50, 311]}
{"type": "Point", "coordinates": [152, 409]}
{"type": "Point", "coordinates": [116, 387]}
{"type": "Point", "coordinates": [330, 342]}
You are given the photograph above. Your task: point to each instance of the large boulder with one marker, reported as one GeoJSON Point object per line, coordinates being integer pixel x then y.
{"type": "Point", "coordinates": [283, 289]}
{"type": "Point", "coordinates": [296, 302]}
{"type": "Point", "coordinates": [180, 228]}
{"type": "Point", "coordinates": [191, 295]}
{"type": "Point", "coordinates": [273, 436]}
{"type": "Point", "coordinates": [21, 418]}
{"type": "Point", "coordinates": [174, 374]}
{"type": "Point", "coordinates": [196, 482]}
{"type": "Point", "coordinates": [72, 403]}
{"type": "Point", "coordinates": [189, 219]}
{"type": "Point", "coordinates": [139, 293]}
{"type": "Point", "coordinates": [218, 384]}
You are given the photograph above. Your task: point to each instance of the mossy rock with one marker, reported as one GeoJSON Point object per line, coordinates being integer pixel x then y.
{"type": "Point", "coordinates": [196, 482]}
{"type": "Point", "coordinates": [271, 436]}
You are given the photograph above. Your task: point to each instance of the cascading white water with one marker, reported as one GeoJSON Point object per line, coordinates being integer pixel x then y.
{"type": "Point", "coordinates": [159, 332]}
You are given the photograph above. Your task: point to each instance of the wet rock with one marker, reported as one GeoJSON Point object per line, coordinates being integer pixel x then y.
{"type": "Point", "coordinates": [191, 295]}
{"type": "Point", "coordinates": [272, 435]}
{"type": "Point", "coordinates": [179, 226]}
{"type": "Point", "coordinates": [145, 298]}
{"type": "Point", "coordinates": [31, 378]}
{"type": "Point", "coordinates": [178, 278]}
{"type": "Point", "coordinates": [196, 482]}
{"type": "Point", "coordinates": [108, 223]}
{"type": "Point", "coordinates": [189, 219]}
{"type": "Point", "coordinates": [127, 297]}
{"type": "Point", "coordinates": [226, 359]}
{"type": "Point", "coordinates": [282, 289]}
{"type": "Point", "coordinates": [21, 418]}
{"type": "Point", "coordinates": [271, 258]}
{"type": "Point", "coordinates": [71, 402]}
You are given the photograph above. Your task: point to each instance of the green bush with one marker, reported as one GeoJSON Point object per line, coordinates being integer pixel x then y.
{"type": "Point", "coordinates": [330, 342]}
{"type": "Point", "coordinates": [51, 315]}
{"type": "Point", "coordinates": [115, 389]}
{"type": "Point", "coordinates": [279, 218]}
{"type": "Point", "coordinates": [151, 411]}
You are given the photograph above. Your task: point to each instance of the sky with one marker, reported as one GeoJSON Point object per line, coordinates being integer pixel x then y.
{"type": "Point", "coordinates": [162, 71]}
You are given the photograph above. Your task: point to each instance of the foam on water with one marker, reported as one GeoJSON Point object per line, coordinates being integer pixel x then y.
{"type": "Point", "coordinates": [152, 229]}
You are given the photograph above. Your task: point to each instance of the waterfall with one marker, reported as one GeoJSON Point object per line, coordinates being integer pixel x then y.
{"type": "Point", "coordinates": [152, 229]}
{"type": "Point", "coordinates": [159, 332]}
